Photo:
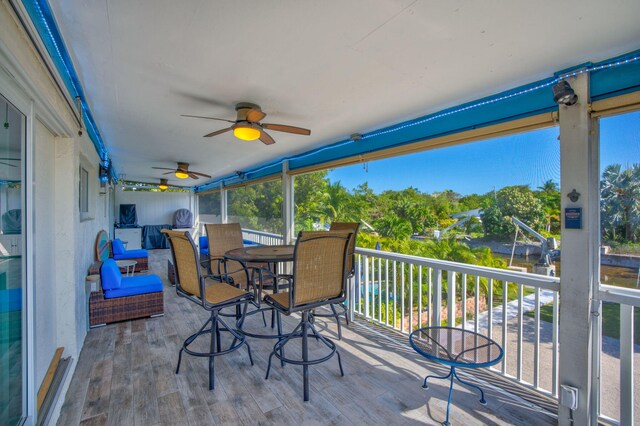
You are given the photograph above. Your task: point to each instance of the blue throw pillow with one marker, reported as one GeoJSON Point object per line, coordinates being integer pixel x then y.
{"type": "Point", "coordinates": [110, 275]}
{"type": "Point", "coordinates": [117, 246]}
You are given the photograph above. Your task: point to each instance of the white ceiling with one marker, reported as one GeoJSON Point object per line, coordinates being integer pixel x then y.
{"type": "Point", "coordinates": [336, 67]}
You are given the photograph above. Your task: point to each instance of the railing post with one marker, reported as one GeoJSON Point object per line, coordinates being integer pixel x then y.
{"type": "Point", "coordinates": [223, 203]}
{"type": "Point", "coordinates": [451, 298]}
{"type": "Point", "coordinates": [366, 286]}
{"type": "Point", "coordinates": [287, 204]}
{"type": "Point", "coordinates": [437, 298]}
{"type": "Point", "coordinates": [579, 168]}
{"type": "Point", "coordinates": [626, 365]}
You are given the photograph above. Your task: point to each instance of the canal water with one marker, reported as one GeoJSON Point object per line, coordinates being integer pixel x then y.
{"type": "Point", "coordinates": [611, 275]}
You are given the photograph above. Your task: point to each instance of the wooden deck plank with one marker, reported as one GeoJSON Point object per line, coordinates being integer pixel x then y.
{"type": "Point", "coordinates": [171, 411]}
{"type": "Point", "coordinates": [99, 391]}
{"type": "Point", "coordinates": [126, 375]}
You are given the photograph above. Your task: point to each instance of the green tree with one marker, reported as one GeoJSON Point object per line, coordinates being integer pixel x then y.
{"type": "Point", "coordinates": [518, 201]}
{"type": "Point", "coordinates": [549, 195]}
{"type": "Point", "coordinates": [392, 226]}
{"type": "Point", "coordinates": [620, 201]}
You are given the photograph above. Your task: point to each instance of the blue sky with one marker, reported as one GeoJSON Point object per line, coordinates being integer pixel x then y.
{"type": "Point", "coordinates": [525, 159]}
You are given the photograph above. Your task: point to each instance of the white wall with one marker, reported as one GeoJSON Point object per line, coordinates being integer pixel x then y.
{"type": "Point", "coordinates": [44, 235]}
{"type": "Point", "coordinates": [154, 208]}
{"type": "Point", "coordinates": [62, 244]}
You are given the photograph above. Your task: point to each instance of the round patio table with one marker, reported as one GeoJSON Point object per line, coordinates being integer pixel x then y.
{"type": "Point", "coordinates": [456, 348]}
{"type": "Point", "coordinates": [262, 254]}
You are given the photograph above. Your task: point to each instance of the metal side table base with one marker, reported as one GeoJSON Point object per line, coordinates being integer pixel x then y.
{"type": "Point", "coordinates": [451, 376]}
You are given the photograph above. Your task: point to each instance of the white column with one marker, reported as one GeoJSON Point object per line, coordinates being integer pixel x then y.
{"type": "Point", "coordinates": [287, 204]}
{"type": "Point", "coordinates": [223, 203]}
{"type": "Point", "coordinates": [580, 254]}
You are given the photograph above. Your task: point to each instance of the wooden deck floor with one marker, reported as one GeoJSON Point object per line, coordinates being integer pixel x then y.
{"type": "Point", "coordinates": [126, 376]}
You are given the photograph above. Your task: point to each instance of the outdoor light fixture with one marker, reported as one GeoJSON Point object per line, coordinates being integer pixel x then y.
{"type": "Point", "coordinates": [181, 175]}
{"type": "Point", "coordinates": [563, 94]}
{"type": "Point", "coordinates": [163, 184]}
{"type": "Point", "coordinates": [246, 132]}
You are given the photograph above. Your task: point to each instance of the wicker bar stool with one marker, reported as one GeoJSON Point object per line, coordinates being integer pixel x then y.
{"type": "Point", "coordinates": [319, 278]}
{"type": "Point", "coordinates": [250, 276]}
{"type": "Point", "coordinates": [213, 296]}
{"type": "Point", "coordinates": [338, 309]}
{"type": "Point", "coordinates": [222, 238]}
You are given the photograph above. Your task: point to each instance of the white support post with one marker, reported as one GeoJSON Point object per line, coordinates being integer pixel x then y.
{"type": "Point", "coordinates": [223, 203]}
{"type": "Point", "coordinates": [626, 365]}
{"type": "Point", "coordinates": [287, 204]}
{"type": "Point", "coordinates": [580, 254]}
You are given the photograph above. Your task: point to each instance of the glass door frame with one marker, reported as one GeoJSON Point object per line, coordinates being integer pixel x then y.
{"type": "Point", "coordinates": [19, 100]}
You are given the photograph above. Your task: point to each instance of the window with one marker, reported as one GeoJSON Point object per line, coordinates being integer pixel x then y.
{"type": "Point", "coordinates": [84, 190]}
{"type": "Point", "coordinates": [87, 187]}
{"type": "Point", "coordinates": [257, 207]}
{"type": "Point", "coordinates": [209, 207]}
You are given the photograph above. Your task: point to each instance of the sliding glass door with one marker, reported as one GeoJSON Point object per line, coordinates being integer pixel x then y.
{"type": "Point", "coordinates": [12, 318]}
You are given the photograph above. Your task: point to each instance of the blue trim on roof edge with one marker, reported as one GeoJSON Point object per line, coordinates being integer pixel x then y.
{"type": "Point", "coordinates": [43, 20]}
{"type": "Point", "coordinates": [608, 78]}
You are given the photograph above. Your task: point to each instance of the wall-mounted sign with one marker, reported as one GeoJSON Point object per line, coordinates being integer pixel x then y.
{"type": "Point", "coordinates": [573, 218]}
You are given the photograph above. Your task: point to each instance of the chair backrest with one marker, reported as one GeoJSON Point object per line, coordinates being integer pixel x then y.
{"type": "Point", "coordinates": [102, 246]}
{"type": "Point", "coordinates": [319, 268]}
{"type": "Point", "coordinates": [223, 237]}
{"type": "Point", "coordinates": [185, 261]}
{"type": "Point", "coordinates": [353, 228]}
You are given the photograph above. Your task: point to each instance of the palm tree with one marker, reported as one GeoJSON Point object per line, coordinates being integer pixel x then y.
{"type": "Point", "coordinates": [392, 226]}
{"type": "Point", "coordinates": [620, 199]}
{"type": "Point", "coordinates": [549, 186]}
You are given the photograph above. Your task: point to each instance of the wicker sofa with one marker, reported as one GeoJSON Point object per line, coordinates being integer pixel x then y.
{"type": "Point", "coordinates": [123, 298]}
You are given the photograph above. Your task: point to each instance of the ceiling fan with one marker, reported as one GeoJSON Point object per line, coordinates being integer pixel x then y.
{"type": "Point", "coordinates": [183, 172]}
{"type": "Point", "coordinates": [247, 125]}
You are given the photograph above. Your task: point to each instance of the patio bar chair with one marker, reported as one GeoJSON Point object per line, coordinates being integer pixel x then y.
{"type": "Point", "coordinates": [212, 297]}
{"type": "Point", "coordinates": [338, 309]}
{"type": "Point", "coordinates": [318, 279]}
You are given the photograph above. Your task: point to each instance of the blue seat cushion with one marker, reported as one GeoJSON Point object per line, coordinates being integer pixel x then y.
{"type": "Point", "coordinates": [11, 300]}
{"type": "Point", "coordinates": [117, 247]}
{"type": "Point", "coordinates": [132, 286]}
{"type": "Point", "coordinates": [203, 245]}
{"type": "Point", "coordinates": [131, 254]}
{"type": "Point", "coordinates": [110, 275]}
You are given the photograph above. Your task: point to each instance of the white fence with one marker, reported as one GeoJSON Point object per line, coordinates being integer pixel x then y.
{"type": "Point", "coordinates": [406, 292]}
{"type": "Point", "coordinates": [616, 401]}
{"type": "Point", "coordinates": [260, 237]}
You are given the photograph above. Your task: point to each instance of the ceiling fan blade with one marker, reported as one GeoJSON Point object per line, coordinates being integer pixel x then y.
{"type": "Point", "coordinates": [192, 175]}
{"type": "Point", "coordinates": [266, 139]}
{"type": "Point", "coordinates": [168, 173]}
{"type": "Point", "coordinates": [207, 118]}
{"type": "Point", "coordinates": [217, 132]}
{"type": "Point", "coordinates": [254, 115]}
{"type": "Point", "coordinates": [201, 174]}
{"type": "Point", "coordinates": [162, 168]}
{"type": "Point", "coordinates": [285, 128]}
{"type": "Point", "coordinates": [7, 164]}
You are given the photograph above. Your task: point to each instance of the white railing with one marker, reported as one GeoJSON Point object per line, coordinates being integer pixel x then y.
{"type": "Point", "coordinates": [263, 238]}
{"type": "Point", "coordinates": [616, 399]}
{"type": "Point", "coordinates": [406, 292]}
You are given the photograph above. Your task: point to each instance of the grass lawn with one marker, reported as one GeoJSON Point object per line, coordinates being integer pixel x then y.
{"type": "Point", "coordinates": [610, 319]}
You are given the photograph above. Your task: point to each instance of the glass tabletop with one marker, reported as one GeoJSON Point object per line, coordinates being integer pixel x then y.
{"type": "Point", "coordinates": [280, 253]}
{"type": "Point", "coordinates": [456, 347]}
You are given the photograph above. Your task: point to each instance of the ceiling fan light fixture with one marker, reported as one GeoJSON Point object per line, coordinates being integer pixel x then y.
{"type": "Point", "coordinates": [181, 175]}
{"type": "Point", "coordinates": [163, 184]}
{"type": "Point", "coordinates": [246, 133]}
